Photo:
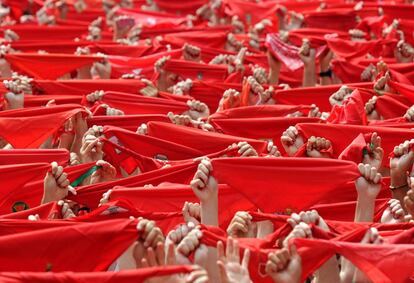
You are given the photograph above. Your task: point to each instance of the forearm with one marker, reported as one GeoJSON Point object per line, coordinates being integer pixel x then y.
{"type": "Point", "coordinates": [309, 76]}
{"type": "Point", "coordinates": [274, 75]}
{"type": "Point", "coordinates": [264, 228]}
{"type": "Point", "coordinates": [328, 272]}
{"type": "Point", "coordinates": [347, 271]}
{"type": "Point", "coordinates": [399, 182]}
{"type": "Point", "coordinates": [76, 145]}
{"type": "Point", "coordinates": [364, 210]}
{"type": "Point", "coordinates": [211, 265]}
{"type": "Point", "coordinates": [209, 212]}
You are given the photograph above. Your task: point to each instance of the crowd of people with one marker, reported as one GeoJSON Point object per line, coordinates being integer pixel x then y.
{"type": "Point", "coordinates": [220, 141]}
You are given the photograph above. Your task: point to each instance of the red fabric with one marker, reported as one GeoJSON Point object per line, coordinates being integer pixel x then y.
{"type": "Point", "coordinates": [194, 70]}
{"type": "Point", "coordinates": [250, 12]}
{"type": "Point", "coordinates": [48, 66]}
{"type": "Point", "coordinates": [138, 104]}
{"type": "Point", "coordinates": [13, 177]}
{"type": "Point", "coordinates": [46, 33]}
{"type": "Point", "coordinates": [150, 146]}
{"type": "Point", "coordinates": [260, 111]}
{"type": "Point", "coordinates": [355, 150]}
{"type": "Point", "coordinates": [314, 95]}
{"type": "Point", "coordinates": [48, 211]}
{"type": "Point", "coordinates": [25, 185]}
{"type": "Point", "coordinates": [151, 18]}
{"type": "Point", "coordinates": [315, 35]}
{"type": "Point", "coordinates": [339, 19]}
{"type": "Point", "coordinates": [352, 111]}
{"type": "Point", "coordinates": [127, 159]}
{"type": "Point", "coordinates": [205, 142]}
{"type": "Point", "coordinates": [127, 122]}
{"type": "Point", "coordinates": [258, 256]}
{"type": "Point", "coordinates": [214, 38]}
{"type": "Point", "coordinates": [19, 156]}
{"type": "Point", "coordinates": [352, 49]}
{"type": "Point", "coordinates": [345, 211]}
{"type": "Point", "coordinates": [342, 135]}
{"type": "Point", "coordinates": [93, 247]}
{"type": "Point", "coordinates": [182, 174]}
{"type": "Point", "coordinates": [376, 261]}
{"type": "Point", "coordinates": [29, 128]}
{"type": "Point", "coordinates": [63, 46]}
{"type": "Point", "coordinates": [125, 276]}
{"type": "Point", "coordinates": [278, 178]}
{"type": "Point", "coordinates": [211, 93]}
{"type": "Point", "coordinates": [144, 66]}
{"type": "Point", "coordinates": [42, 100]}
{"type": "Point", "coordinates": [171, 197]}
{"type": "Point", "coordinates": [122, 208]}
{"type": "Point", "coordinates": [404, 89]}
{"type": "Point", "coordinates": [287, 54]}
{"type": "Point", "coordinates": [259, 128]}
{"type": "Point", "coordinates": [180, 7]}
{"type": "Point", "coordinates": [83, 87]}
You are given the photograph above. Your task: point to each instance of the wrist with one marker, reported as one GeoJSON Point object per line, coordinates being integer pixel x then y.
{"type": "Point", "coordinates": [397, 179]}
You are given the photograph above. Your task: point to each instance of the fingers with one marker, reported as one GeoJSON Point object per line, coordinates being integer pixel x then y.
{"type": "Point", "coordinates": [246, 150]}
{"type": "Point", "coordinates": [150, 234]}
{"type": "Point", "coordinates": [190, 242]}
{"type": "Point", "coordinates": [239, 224]}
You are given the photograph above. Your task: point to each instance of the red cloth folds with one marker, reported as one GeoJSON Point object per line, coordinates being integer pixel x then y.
{"type": "Point", "coordinates": [30, 127]}
{"type": "Point", "coordinates": [48, 66]}
{"type": "Point", "coordinates": [286, 53]}
{"type": "Point", "coordinates": [83, 247]}
{"type": "Point", "coordinates": [275, 185]}
{"type": "Point", "coordinates": [125, 276]}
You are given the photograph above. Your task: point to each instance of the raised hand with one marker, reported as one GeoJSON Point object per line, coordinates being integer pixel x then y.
{"type": "Point", "coordinates": [315, 145]}
{"type": "Point", "coordinates": [246, 150]}
{"type": "Point", "coordinates": [301, 230]}
{"type": "Point", "coordinates": [338, 97]}
{"type": "Point", "coordinates": [232, 268]}
{"type": "Point", "coordinates": [204, 186]}
{"type": "Point", "coordinates": [191, 212]}
{"type": "Point", "coordinates": [368, 185]}
{"type": "Point", "coordinates": [404, 52]}
{"type": "Point", "coordinates": [375, 153]}
{"type": "Point", "coordinates": [112, 111]}
{"type": "Point", "coordinates": [95, 96]}
{"type": "Point", "coordinates": [55, 184]}
{"type": "Point", "coordinates": [190, 242]}
{"type": "Point", "coordinates": [272, 150]}
{"type": "Point", "coordinates": [197, 109]}
{"type": "Point", "coordinates": [372, 114]}
{"type": "Point", "coordinates": [191, 53]}
{"type": "Point", "coordinates": [232, 96]}
{"type": "Point", "coordinates": [182, 87]}
{"type": "Point", "coordinates": [241, 226]}
{"type": "Point", "coordinates": [107, 172]}
{"type": "Point", "coordinates": [409, 115]}
{"type": "Point", "coordinates": [291, 140]}
{"type": "Point", "coordinates": [284, 266]}
{"type": "Point", "coordinates": [394, 212]}
{"type": "Point", "coordinates": [206, 189]}
{"type": "Point", "coordinates": [149, 90]}
{"type": "Point", "coordinates": [91, 149]}
{"type": "Point", "coordinates": [182, 120]}
{"type": "Point", "coordinates": [307, 217]}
